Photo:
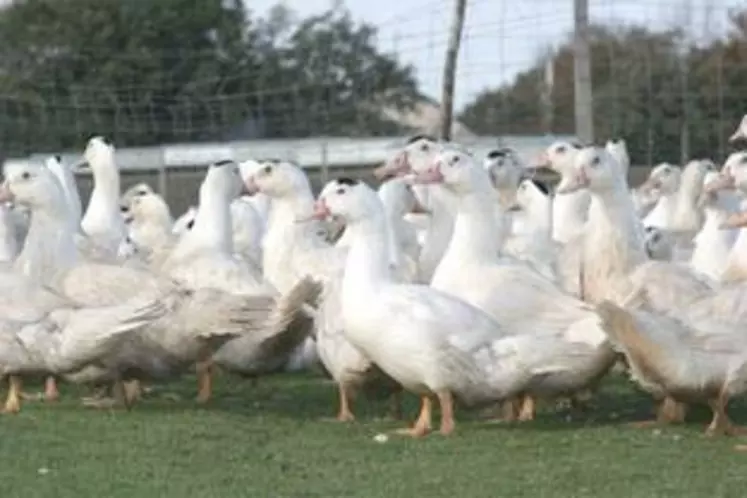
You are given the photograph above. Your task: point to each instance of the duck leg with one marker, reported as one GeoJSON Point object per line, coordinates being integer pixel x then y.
{"type": "Point", "coordinates": [528, 409]}
{"type": "Point", "coordinates": [132, 392]}
{"type": "Point", "coordinates": [721, 423]}
{"type": "Point", "coordinates": [204, 380]}
{"type": "Point", "coordinates": [345, 414]}
{"type": "Point", "coordinates": [669, 411]}
{"type": "Point", "coordinates": [106, 402]}
{"type": "Point", "coordinates": [672, 411]}
{"type": "Point", "coordinates": [510, 409]}
{"type": "Point", "coordinates": [125, 393]}
{"type": "Point", "coordinates": [423, 423]}
{"type": "Point", "coordinates": [446, 401]}
{"type": "Point", "coordinates": [51, 393]}
{"type": "Point", "coordinates": [13, 401]}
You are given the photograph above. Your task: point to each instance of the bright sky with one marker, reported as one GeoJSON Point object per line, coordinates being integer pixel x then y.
{"type": "Point", "coordinates": [502, 37]}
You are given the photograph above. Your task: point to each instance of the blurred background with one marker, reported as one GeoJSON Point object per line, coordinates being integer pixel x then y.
{"type": "Point", "coordinates": [176, 84]}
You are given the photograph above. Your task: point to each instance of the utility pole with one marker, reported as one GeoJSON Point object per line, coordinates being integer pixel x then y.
{"type": "Point", "coordinates": [450, 67]}
{"type": "Point", "coordinates": [583, 99]}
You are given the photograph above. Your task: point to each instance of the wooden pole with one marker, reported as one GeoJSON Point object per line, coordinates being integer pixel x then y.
{"type": "Point", "coordinates": [450, 67]}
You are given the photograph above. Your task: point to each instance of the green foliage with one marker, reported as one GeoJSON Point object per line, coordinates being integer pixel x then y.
{"type": "Point", "coordinates": [145, 72]}
{"type": "Point", "coordinates": [640, 93]}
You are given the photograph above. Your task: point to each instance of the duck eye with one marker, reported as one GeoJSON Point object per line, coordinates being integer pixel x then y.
{"type": "Point", "coordinates": [454, 159]}
{"type": "Point", "coordinates": [340, 191]}
{"type": "Point", "coordinates": [560, 150]}
{"type": "Point", "coordinates": [424, 147]}
{"type": "Point", "coordinates": [595, 161]}
{"type": "Point", "coordinates": [267, 169]}
{"type": "Point", "coordinates": [25, 175]}
{"type": "Point", "coordinates": [743, 160]}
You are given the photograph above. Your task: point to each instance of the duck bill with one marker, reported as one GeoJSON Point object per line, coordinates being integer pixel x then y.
{"type": "Point", "coordinates": [250, 186]}
{"type": "Point", "coordinates": [429, 177]}
{"type": "Point", "coordinates": [80, 166]}
{"type": "Point", "coordinates": [649, 186]}
{"type": "Point", "coordinates": [577, 182]}
{"type": "Point", "coordinates": [5, 194]}
{"type": "Point", "coordinates": [736, 220]}
{"type": "Point", "coordinates": [540, 163]}
{"type": "Point", "coordinates": [399, 165]}
{"type": "Point", "coordinates": [321, 212]}
{"type": "Point", "coordinates": [723, 182]}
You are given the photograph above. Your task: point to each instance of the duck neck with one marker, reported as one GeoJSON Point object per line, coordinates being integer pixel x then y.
{"type": "Point", "coordinates": [540, 217]}
{"type": "Point", "coordinates": [475, 236]}
{"type": "Point", "coordinates": [614, 208]}
{"type": "Point", "coordinates": [569, 212]}
{"type": "Point", "coordinates": [368, 259]}
{"type": "Point", "coordinates": [285, 233]}
{"type": "Point", "coordinates": [736, 265]}
{"type": "Point", "coordinates": [685, 213]}
{"type": "Point", "coordinates": [49, 247]}
{"type": "Point", "coordinates": [8, 242]}
{"type": "Point", "coordinates": [105, 195]}
{"type": "Point", "coordinates": [213, 222]}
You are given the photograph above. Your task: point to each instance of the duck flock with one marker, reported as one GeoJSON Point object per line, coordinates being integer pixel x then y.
{"type": "Point", "coordinates": [462, 280]}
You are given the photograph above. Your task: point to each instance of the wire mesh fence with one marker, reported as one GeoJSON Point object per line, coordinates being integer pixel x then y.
{"type": "Point", "coordinates": [670, 76]}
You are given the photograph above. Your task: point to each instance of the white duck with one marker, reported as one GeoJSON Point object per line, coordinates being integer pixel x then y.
{"type": "Point", "coordinates": [260, 201]}
{"type": "Point", "coordinates": [185, 222]}
{"type": "Point", "coordinates": [196, 321]}
{"type": "Point", "coordinates": [506, 172]}
{"type": "Point", "coordinates": [417, 155]}
{"type": "Point", "coordinates": [36, 338]}
{"type": "Point", "coordinates": [204, 256]}
{"type": "Point", "coordinates": [665, 179]}
{"type": "Point", "coordinates": [247, 226]}
{"type": "Point", "coordinates": [531, 240]}
{"type": "Point", "coordinates": [102, 222]}
{"type": "Point", "coordinates": [430, 342]}
{"type": "Point", "coordinates": [65, 175]}
{"type": "Point", "coordinates": [471, 270]}
{"type": "Point", "coordinates": [670, 358]}
{"type": "Point", "coordinates": [733, 178]}
{"type": "Point", "coordinates": [618, 149]}
{"type": "Point", "coordinates": [9, 244]}
{"type": "Point", "coordinates": [569, 212]}
{"type": "Point", "coordinates": [614, 255]}
{"type": "Point", "coordinates": [713, 244]}
{"type": "Point", "coordinates": [399, 199]}
{"type": "Point", "coordinates": [293, 250]}
{"type": "Point", "coordinates": [149, 226]}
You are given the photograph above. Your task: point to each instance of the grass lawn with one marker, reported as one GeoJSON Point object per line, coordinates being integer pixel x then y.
{"type": "Point", "coordinates": [270, 440]}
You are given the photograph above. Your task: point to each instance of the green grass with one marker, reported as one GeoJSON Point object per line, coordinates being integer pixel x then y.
{"type": "Point", "coordinates": [270, 440]}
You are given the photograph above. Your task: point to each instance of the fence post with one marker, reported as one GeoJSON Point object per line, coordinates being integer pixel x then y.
{"type": "Point", "coordinates": [325, 161]}
{"type": "Point", "coordinates": [582, 72]}
{"type": "Point", "coordinates": [450, 67]}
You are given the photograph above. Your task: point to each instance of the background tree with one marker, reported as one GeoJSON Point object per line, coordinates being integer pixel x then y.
{"type": "Point", "coordinates": [147, 72]}
{"type": "Point", "coordinates": [639, 92]}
